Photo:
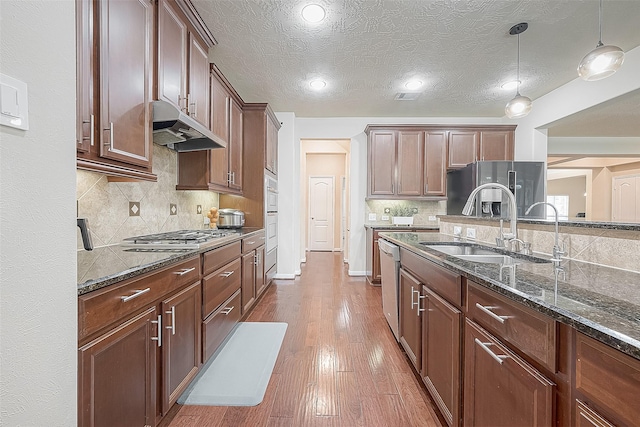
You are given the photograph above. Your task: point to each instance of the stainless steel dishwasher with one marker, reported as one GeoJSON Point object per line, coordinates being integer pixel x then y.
{"type": "Point", "coordinates": [389, 270]}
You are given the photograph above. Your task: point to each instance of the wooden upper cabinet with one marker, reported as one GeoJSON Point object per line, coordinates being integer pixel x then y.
{"type": "Point", "coordinates": [463, 145]}
{"type": "Point", "coordinates": [495, 145]}
{"type": "Point", "coordinates": [172, 55]}
{"type": "Point", "coordinates": [435, 161]}
{"type": "Point", "coordinates": [198, 94]}
{"type": "Point", "coordinates": [382, 163]}
{"type": "Point", "coordinates": [271, 158]}
{"type": "Point", "coordinates": [115, 62]}
{"type": "Point", "coordinates": [235, 147]}
{"type": "Point", "coordinates": [219, 163]}
{"type": "Point", "coordinates": [410, 163]}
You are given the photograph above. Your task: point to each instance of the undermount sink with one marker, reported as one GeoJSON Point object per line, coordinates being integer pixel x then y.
{"type": "Point", "coordinates": [484, 255]}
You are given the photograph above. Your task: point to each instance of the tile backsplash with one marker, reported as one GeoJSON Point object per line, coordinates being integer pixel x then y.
{"type": "Point", "coordinates": [117, 210]}
{"type": "Point", "coordinates": [425, 209]}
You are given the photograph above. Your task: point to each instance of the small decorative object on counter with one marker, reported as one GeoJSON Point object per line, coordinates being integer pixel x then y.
{"type": "Point", "coordinates": [401, 215]}
{"type": "Point", "coordinates": [213, 216]}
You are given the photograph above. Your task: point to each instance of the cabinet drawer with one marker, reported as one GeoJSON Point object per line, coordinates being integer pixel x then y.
{"type": "Point", "coordinates": [445, 283]}
{"type": "Point", "coordinates": [530, 332]}
{"type": "Point", "coordinates": [219, 286]}
{"type": "Point", "coordinates": [253, 242]}
{"type": "Point", "coordinates": [101, 308]}
{"type": "Point", "coordinates": [609, 379]}
{"type": "Point", "coordinates": [270, 259]}
{"type": "Point", "coordinates": [216, 258]}
{"type": "Point", "coordinates": [217, 326]}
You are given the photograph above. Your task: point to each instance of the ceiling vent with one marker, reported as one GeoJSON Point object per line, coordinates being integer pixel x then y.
{"type": "Point", "coordinates": [407, 96]}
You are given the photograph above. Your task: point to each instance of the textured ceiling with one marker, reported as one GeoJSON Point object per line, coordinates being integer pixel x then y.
{"type": "Point", "coordinates": [367, 49]}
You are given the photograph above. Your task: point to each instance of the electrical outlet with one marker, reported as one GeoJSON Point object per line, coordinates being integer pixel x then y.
{"type": "Point", "coordinates": [432, 218]}
{"type": "Point", "coordinates": [457, 231]}
{"type": "Point", "coordinates": [372, 217]}
{"type": "Point", "coordinates": [471, 233]}
{"type": "Point", "coordinates": [206, 220]}
{"type": "Point", "coordinates": [387, 210]}
{"type": "Point", "coordinates": [385, 217]}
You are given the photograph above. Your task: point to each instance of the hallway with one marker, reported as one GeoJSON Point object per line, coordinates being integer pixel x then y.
{"type": "Point", "coordinates": [339, 364]}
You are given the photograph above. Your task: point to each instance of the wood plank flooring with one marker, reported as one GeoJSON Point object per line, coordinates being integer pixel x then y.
{"type": "Point", "coordinates": [339, 364]}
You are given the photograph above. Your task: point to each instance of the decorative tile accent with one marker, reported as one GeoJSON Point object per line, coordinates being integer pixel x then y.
{"type": "Point", "coordinates": [173, 209]}
{"type": "Point", "coordinates": [134, 208]}
{"type": "Point", "coordinates": [199, 209]}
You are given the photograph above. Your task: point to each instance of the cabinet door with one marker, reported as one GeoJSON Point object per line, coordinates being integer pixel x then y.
{"type": "Point", "coordinates": [441, 355]}
{"type": "Point", "coordinates": [435, 163]}
{"type": "Point", "coordinates": [85, 114]}
{"type": "Point", "coordinates": [235, 145]}
{"type": "Point", "coordinates": [376, 274]}
{"type": "Point", "coordinates": [462, 148]}
{"type": "Point", "coordinates": [260, 281]}
{"type": "Point", "coordinates": [587, 417]}
{"type": "Point", "coordinates": [219, 158]}
{"type": "Point", "coordinates": [410, 318]}
{"type": "Point", "coordinates": [248, 281]}
{"type": "Point", "coordinates": [172, 56]}
{"type": "Point", "coordinates": [181, 345]}
{"type": "Point", "coordinates": [410, 163]}
{"type": "Point", "coordinates": [496, 145]}
{"type": "Point", "coordinates": [271, 158]}
{"type": "Point", "coordinates": [117, 375]}
{"type": "Point", "coordinates": [126, 36]}
{"type": "Point", "coordinates": [198, 92]}
{"type": "Point", "coordinates": [382, 163]}
{"type": "Point", "coordinates": [500, 388]}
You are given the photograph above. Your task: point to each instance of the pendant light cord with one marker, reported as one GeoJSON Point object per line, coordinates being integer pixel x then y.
{"type": "Point", "coordinates": [600, 25]}
{"type": "Point", "coordinates": [518, 68]}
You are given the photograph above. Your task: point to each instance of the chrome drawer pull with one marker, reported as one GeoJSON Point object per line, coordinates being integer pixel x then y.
{"type": "Point", "coordinates": [420, 297]}
{"type": "Point", "coordinates": [251, 243]}
{"type": "Point", "coordinates": [500, 319]}
{"type": "Point", "coordinates": [485, 346]}
{"type": "Point", "coordinates": [91, 124]}
{"type": "Point", "coordinates": [227, 273]}
{"type": "Point", "coordinates": [135, 295]}
{"type": "Point", "coordinates": [184, 271]}
{"type": "Point", "coordinates": [159, 337]}
{"type": "Point", "coordinates": [227, 310]}
{"type": "Point", "coordinates": [173, 320]}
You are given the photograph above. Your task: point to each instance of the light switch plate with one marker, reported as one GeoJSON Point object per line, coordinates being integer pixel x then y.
{"type": "Point", "coordinates": [372, 217]}
{"type": "Point", "coordinates": [457, 231]}
{"type": "Point", "coordinates": [432, 218]}
{"type": "Point", "coordinates": [14, 108]}
{"type": "Point", "coordinates": [471, 233]}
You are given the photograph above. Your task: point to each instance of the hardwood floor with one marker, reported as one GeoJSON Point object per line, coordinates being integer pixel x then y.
{"type": "Point", "coordinates": [339, 364]}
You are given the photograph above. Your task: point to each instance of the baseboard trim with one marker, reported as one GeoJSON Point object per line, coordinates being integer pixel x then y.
{"type": "Point", "coordinates": [280, 276]}
{"type": "Point", "coordinates": [357, 273]}
{"type": "Point", "coordinates": [298, 272]}
{"type": "Point", "coordinates": [303, 260]}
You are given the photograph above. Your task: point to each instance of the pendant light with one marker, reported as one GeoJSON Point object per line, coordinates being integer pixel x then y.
{"type": "Point", "coordinates": [602, 61]}
{"type": "Point", "coordinates": [520, 105]}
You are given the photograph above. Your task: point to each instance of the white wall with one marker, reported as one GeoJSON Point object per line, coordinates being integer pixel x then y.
{"type": "Point", "coordinates": [573, 97]}
{"type": "Point", "coordinates": [38, 301]}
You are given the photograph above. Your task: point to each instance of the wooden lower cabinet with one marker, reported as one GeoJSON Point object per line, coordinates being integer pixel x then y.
{"type": "Point", "coordinates": [441, 356]}
{"type": "Point", "coordinates": [410, 322]}
{"type": "Point", "coordinates": [587, 417]}
{"type": "Point", "coordinates": [500, 388]}
{"type": "Point", "coordinates": [248, 281]}
{"type": "Point", "coordinates": [217, 326]}
{"type": "Point", "coordinates": [261, 282]}
{"type": "Point", "coordinates": [117, 375]}
{"type": "Point", "coordinates": [181, 343]}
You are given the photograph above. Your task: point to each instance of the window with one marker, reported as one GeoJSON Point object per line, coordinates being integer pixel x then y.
{"type": "Point", "coordinates": [561, 203]}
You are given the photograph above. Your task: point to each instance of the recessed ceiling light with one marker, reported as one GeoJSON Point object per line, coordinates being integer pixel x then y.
{"type": "Point", "coordinates": [413, 84]}
{"type": "Point", "coordinates": [317, 83]}
{"type": "Point", "coordinates": [313, 13]}
{"type": "Point", "coordinates": [510, 85]}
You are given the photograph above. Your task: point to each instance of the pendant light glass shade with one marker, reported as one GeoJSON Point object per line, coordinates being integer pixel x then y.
{"type": "Point", "coordinates": [518, 107]}
{"type": "Point", "coordinates": [602, 61]}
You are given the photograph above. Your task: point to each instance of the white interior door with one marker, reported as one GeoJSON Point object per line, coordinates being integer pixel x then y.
{"type": "Point", "coordinates": [321, 194]}
{"type": "Point", "coordinates": [626, 198]}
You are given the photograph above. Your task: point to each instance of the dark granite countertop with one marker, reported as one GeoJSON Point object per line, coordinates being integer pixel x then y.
{"type": "Point", "coordinates": [562, 223]}
{"type": "Point", "coordinates": [387, 226]}
{"type": "Point", "coordinates": [601, 302]}
{"type": "Point", "coordinates": [107, 265]}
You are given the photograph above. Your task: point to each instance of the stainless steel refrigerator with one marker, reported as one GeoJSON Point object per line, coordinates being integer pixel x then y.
{"type": "Point", "coordinates": [524, 179]}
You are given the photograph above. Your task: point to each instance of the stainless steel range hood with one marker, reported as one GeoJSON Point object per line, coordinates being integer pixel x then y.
{"type": "Point", "coordinates": [179, 132]}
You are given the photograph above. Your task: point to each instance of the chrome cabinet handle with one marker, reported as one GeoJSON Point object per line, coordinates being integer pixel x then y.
{"type": "Point", "coordinates": [420, 297]}
{"type": "Point", "coordinates": [135, 295]}
{"type": "Point", "coordinates": [159, 337]}
{"type": "Point", "coordinates": [227, 310]}
{"type": "Point", "coordinates": [110, 143]}
{"type": "Point", "coordinates": [229, 177]}
{"type": "Point", "coordinates": [180, 99]}
{"type": "Point", "coordinates": [412, 303]}
{"type": "Point", "coordinates": [416, 303]}
{"type": "Point", "coordinates": [227, 273]}
{"type": "Point", "coordinates": [184, 271]}
{"type": "Point", "coordinates": [485, 346]}
{"type": "Point", "coordinates": [251, 242]}
{"type": "Point", "coordinates": [92, 131]}
{"type": "Point", "coordinates": [233, 177]}
{"type": "Point", "coordinates": [487, 310]}
{"type": "Point", "coordinates": [172, 312]}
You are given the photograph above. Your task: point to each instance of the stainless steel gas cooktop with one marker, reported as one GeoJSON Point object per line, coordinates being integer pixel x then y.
{"type": "Point", "coordinates": [178, 240]}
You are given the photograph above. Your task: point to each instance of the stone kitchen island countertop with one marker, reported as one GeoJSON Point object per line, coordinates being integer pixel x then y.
{"type": "Point", "coordinates": [107, 265]}
{"type": "Point", "coordinates": [599, 301]}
